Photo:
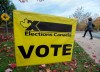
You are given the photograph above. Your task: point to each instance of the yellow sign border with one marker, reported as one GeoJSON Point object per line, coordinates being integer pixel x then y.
{"type": "Point", "coordinates": [26, 41]}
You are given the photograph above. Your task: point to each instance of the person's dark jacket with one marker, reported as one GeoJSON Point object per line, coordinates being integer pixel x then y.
{"type": "Point", "coordinates": [89, 25]}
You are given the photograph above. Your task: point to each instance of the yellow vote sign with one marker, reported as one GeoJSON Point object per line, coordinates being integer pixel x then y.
{"type": "Point", "coordinates": [5, 17]}
{"type": "Point", "coordinates": [42, 39]}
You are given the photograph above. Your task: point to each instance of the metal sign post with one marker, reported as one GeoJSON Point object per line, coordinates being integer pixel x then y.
{"type": "Point", "coordinates": [6, 28]}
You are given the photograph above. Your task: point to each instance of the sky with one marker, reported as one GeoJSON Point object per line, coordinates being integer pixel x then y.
{"type": "Point", "coordinates": [63, 8]}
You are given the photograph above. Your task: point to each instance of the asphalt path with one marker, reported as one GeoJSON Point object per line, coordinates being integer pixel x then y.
{"type": "Point", "coordinates": [92, 47]}
{"type": "Point", "coordinates": [96, 34]}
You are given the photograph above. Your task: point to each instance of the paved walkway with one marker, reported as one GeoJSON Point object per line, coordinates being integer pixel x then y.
{"type": "Point", "coordinates": [92, 47]}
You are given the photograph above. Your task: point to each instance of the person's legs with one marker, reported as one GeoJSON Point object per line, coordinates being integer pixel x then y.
{"type": "Point", "coordinates": [85, 33]}
{"type": "Point", "coordinates": [90, 34]}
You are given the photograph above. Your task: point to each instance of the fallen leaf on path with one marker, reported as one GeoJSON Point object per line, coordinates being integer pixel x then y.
{"type": "Point", "coordinates": [89, 48]}
{"type": "Point", "coordinates": [73, 63]}
{"type": "Point", "coordinates": [48, 70]}
{"type": "Point", "coordinates": [71, 70]}
{"type": "Point", "coordinates": [5, 45]}
{"type": "Point", "coordinates": [8, 47]}
{"type": "Point", "coordinates": [65, 63]}
{"type": "Point", "coordinates": [42, 66]}
{"type": "Point", "coordinates": [86, 65]}
{"type": "Point", "coordinates": [8, 70]}
{"type": "Point", "coordinates": [0, 50]}
{"type": "Point", "coordinates": [99, 61]}
{"type": "Point", "coordinates": [40, 71]}
{"type": "Point", "coordinates": [11, 55]}
{"type": "Point", "coordinates": [94, 56]}
{"type": "Point", "coordinates": [13, 65]}
{"type": "Point", "coordinates": [54, 71]}
{"type": "Point", "coordinates": [8, 50]}
{"type": "Point", "coordinates": [98, 69]}
{"type": "Point", "coordinates": [4, 49]}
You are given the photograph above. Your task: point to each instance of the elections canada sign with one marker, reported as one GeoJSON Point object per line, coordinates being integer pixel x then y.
{"type": "Point", "coordinates": [42, 39]}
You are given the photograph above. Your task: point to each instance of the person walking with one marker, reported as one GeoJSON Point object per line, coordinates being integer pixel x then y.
{"type": "Point", "coordinates": [89, 28]}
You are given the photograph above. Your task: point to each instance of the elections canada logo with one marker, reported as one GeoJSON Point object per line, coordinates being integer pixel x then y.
{"type": "Point", "coordinates": [41, 28]}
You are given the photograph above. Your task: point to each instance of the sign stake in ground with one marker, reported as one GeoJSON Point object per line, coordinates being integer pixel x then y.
{"type": "Point", "coordinates": [6, 28]}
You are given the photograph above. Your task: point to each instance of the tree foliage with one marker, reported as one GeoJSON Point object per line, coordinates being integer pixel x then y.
{"type": "Point", "coordinates": [97, 23]}
{"type": "Point", "coordinates": [80, 15]}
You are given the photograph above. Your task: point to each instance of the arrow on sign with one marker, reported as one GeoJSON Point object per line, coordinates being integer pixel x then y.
{"type": "Point", "coordinates": [49, 26]}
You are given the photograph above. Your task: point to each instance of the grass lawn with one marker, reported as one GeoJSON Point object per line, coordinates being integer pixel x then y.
{"type": "Point", "coordinates": [81, 61]}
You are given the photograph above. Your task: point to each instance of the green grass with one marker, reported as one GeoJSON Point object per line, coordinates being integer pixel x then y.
{"type": "Point", "coordinates": [78, 54]}
{"type": "Point", "coordinates": [81, 56]}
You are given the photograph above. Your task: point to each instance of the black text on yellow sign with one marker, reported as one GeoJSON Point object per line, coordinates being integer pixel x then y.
{"type": "Point", "coordinates": [42, 39]}
{"type": "Point", "coordinates": [46, 48]}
